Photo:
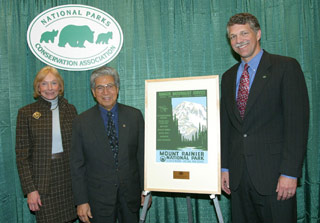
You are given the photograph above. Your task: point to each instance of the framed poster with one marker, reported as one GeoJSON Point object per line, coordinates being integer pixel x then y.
{"type": "Point", "coordinates": [182, 135]}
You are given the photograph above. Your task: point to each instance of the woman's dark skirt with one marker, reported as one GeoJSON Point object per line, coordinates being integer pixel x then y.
{"type": "Point", "coordinates": [58, 206]}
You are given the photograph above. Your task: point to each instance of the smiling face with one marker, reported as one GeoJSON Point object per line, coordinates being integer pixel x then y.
{"type": "Point", "coordinates": [244, 41]}
{"type": "Point", "coordinates": [49, 87]}
{"type": "Point", "coordinates": [105, 91]}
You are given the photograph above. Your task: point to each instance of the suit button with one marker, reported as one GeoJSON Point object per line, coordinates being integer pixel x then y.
{"type": "Point", "coordinates": [116, 185]}
{"type": "Point", "coordinates": [245, 135]}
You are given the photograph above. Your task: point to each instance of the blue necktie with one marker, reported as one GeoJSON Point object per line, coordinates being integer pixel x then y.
{"type": "Point", "coordinates": [112, 136]}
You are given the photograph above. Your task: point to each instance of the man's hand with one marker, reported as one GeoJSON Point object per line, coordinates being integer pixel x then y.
{"type": "Point", "coordinates": [225, 182]}
{"type": "Point", "coordinates": [34, 201]}
{"type": "Point", "coordinates": [84, 212]}
{"type": "Point", "coordinates": [286, 188]}
{"type": "Point", "coordinates": [142, 200]}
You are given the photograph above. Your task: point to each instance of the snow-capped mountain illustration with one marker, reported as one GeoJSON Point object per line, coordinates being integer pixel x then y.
{"type": "Point", "coordinates": [189, 115]}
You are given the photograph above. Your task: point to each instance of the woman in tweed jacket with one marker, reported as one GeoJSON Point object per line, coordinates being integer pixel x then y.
{"type": "Point", "coordinates": [43, 137]}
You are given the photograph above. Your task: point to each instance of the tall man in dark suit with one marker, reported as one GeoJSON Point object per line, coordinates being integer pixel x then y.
{"type": "Point", "coordinates": [264, 128]}
{"type": "Point", "coordinates": [107, 155]}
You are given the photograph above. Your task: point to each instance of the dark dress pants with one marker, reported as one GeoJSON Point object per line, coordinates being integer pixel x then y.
{"type": "Point", "coordinates": [248, 206]}
{"type": "Point", "coordinates": [121, 213]}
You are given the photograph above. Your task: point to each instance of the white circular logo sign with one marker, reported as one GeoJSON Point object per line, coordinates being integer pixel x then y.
{"type": "Point", "coordinates": [75, 37]}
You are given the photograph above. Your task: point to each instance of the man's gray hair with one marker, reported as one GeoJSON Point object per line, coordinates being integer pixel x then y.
{"type": "Point", "coordinates": [242, 19]}
{"type": "Point", "coordinates": [104, 71]}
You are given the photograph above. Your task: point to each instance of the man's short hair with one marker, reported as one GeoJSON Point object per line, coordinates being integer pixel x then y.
{"type": "Point", "coordinates": [104, 71]}
{"type": "Point", "coordinates": [244, 18]}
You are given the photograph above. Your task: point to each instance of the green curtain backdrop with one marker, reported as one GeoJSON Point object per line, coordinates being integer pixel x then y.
{"type": "Point", "coordinates": [162, 39]}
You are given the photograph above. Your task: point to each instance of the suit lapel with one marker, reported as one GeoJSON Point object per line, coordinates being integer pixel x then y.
{"type": "Point", "coordinates": [97, 126]}
{"type": "Point", "coordinates": [232, 91]}
{"type": "Point", "coordinates": [123, 129]}
{"type": "Point", "coordinates": [261, 79]}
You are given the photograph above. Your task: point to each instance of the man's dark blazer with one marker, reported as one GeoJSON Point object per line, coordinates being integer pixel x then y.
{"type": "Point", "coordinates": [95, 178]}
{"type": "Point", "coordinates": [272, 138]}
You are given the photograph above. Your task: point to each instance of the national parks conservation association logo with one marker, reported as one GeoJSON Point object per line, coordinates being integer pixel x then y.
{"type": "Point", "coordinates": [75, 37]}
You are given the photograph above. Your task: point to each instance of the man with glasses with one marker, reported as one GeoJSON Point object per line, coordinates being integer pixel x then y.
{"type": "Point", "coordinates": [107, 155]}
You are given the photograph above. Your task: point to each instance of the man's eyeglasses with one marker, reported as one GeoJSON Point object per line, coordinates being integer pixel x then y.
{"type": "Point", "coordinates": [108, 87]}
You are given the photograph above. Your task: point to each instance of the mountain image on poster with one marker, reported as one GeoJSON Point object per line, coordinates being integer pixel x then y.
{"type": "Point", "coordinates": [182, 126]}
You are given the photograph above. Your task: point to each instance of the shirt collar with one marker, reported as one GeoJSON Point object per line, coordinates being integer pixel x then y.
{"type": "Point", "coordinates": [114, 110]}
{"type": "Point", "coordinates": [254, 62]}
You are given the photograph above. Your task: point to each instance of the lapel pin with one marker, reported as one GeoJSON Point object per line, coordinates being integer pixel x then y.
{"type": "Point", "coordinates": [264, 76]}
{"type": "Point", "coordinates": [124, 125]}
{"type": "Point", "coordinates": [36, 115]}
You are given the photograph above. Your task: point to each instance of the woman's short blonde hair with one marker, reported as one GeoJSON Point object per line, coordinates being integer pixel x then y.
{"type": "Point", "coordinates": [41, 75]}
